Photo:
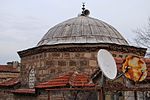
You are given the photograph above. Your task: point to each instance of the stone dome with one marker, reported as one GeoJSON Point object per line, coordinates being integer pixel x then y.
{"type": "Point", "coordinates": [82, 29]}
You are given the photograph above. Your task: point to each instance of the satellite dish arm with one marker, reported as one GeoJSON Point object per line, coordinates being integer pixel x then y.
{"type": "Point", "coordinates": [126, 70]}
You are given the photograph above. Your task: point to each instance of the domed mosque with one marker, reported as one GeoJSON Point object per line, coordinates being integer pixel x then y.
{"type": "Point", "coordinates": [64, 65]}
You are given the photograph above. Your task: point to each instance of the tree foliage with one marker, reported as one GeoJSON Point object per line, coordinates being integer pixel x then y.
{"type": "Point", "coordinates": [143, 36]}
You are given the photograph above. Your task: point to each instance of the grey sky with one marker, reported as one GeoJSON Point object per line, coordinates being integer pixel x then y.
{"type": "Point", "coordinates": [24, 22]}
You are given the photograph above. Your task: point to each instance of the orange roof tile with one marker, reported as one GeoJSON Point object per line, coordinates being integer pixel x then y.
{"type": "Point", "coordinates": [72, 79]}
{"type": "Point", "coordinates": [24, 91]}
{"type": "Point", "coordinates": [10, 82]}
{"type": "Point", "coordinates": [7, 68]}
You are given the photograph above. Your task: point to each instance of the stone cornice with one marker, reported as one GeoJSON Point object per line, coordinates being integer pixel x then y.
{"type": "Point", "coordinates": [83, 48]}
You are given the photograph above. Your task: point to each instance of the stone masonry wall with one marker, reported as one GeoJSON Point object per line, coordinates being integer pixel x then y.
{"type": "Point", "coordinates": [51, 64]}
{"type": "Point", "coordinates": [48, 65]}
{"type": "Point", "coordinates": [5, 95]}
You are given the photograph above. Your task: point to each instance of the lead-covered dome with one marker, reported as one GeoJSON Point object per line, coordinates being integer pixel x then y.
{"type": "Point", "coordinates": [82, 29]}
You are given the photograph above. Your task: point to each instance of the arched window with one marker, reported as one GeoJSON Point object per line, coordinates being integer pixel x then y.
{"type": "Point", "coordinates": [31, 78]}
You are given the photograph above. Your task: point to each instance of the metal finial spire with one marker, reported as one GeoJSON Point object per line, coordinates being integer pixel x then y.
{"type": "Point", "coordinates": [83, 6]}
{"type": "Point", "coordinates": [85, 12]}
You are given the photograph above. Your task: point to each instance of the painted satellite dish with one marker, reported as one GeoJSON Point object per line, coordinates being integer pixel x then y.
{"type": "Point", "coordinates": [107, 63]}
{"type": "Point", "coordinates": [134, 68]}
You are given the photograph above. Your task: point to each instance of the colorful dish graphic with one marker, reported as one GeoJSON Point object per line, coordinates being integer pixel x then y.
{"type": "Point", "coordinates": [135, 68]}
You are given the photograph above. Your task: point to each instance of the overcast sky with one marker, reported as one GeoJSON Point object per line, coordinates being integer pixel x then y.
{"type": "Point", "coordinates": [24, 22]}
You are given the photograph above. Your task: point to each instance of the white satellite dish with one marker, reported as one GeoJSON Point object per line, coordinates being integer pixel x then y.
{"type": "Point", "coordinates": [107, 63]}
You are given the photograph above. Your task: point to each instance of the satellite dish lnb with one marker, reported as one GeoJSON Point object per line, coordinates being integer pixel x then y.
{"type": "Point", "coordinates": [107, 64]}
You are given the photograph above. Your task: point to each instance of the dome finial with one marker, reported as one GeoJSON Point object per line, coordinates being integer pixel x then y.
{"type": "Point", "coordinates": [83, 6]}
{"type": "Point", "coordinates": [85, 12]}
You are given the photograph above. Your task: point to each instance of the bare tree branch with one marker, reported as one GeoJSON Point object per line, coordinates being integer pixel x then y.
{"type": "Point", "coordinates": [143, 36]}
